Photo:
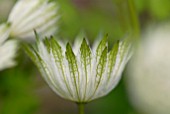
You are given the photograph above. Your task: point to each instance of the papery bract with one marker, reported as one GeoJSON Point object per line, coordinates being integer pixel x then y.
{"type": "Point", "coordinates": [8, 48]}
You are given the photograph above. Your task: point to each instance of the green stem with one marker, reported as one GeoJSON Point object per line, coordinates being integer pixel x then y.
{"type": "Point", "coordinates": [134, 19]}
{"type": "Point", "coordinates": [81, 108]}
{"type": "Point", "coordinates": [128, 18]}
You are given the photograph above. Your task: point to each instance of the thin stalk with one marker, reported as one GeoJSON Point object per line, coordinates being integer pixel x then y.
{"type": "Point", "coordinates": [134, 19]}
{"type": "Point", "coordinates": [81, 108]}
{"type": "Point", "coordinates": [119, 5]}
{"type": "Point", "coordinates": [128, 17]}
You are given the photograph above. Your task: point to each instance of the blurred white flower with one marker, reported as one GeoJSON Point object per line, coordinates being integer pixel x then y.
{"type": "Point", "coordinates": [149, 73]}
{"type": "Point", "coordinates": [8, 48]}
{"type": "Point", "coordinates": [80, 75]}
{"type": "Point", "coordinates": [5, 7]}
{"type": "Point", "coordinates": [29, 15]}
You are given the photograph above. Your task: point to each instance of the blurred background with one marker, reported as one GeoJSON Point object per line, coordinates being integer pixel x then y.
{"type": "Point", "coordinates": [23, 91]}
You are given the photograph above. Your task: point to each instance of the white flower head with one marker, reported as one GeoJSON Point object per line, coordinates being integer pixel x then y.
{"type": "Point", "coordinates": [8, 48]}
{"type": "Point", "coordinates": [149, 72]}
{"type": "Point", "coordinates": [29, 15]}
{"type": "Point", "coordinates": [82, 76]}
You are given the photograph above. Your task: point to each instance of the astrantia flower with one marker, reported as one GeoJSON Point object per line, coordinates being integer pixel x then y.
{"type": "Point", "coordinates": [7, 48]}
{"type": "Point", "coordinates": [82, 75]}
{"type": "Point", "coordinates": [29, 15]}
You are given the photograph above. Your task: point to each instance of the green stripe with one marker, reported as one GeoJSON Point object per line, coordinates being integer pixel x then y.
{"type": "Point", "coordinates": [42, 66]}
{"type": "Point", "coordinates": [101, 67]}
{"type": "Point", "coordinates": [112, 59]}
{"type": "Point", "coordinates": [101, 47]}
{"type": "Point", "coordinates": [73, 67]}
{"type": "Point", "coordinates": [58, 56]}
{"type": "Point", "coordinates": [85, 60]}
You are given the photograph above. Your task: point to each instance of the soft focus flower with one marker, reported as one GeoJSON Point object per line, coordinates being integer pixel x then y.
{"type": "Point", "coordinates": [29, 15]}
{"type": "Point", "coordinates": [7, 48]}
{"type": "Point", "coordinates": [81, 74]}
{"type": "Point", "coordinates": [149, 74]}
{"type": "Point", "coordinates": [5, 7]}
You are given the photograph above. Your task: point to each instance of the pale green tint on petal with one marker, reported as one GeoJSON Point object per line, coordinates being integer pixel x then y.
{"type": "Point", "coordinates": [8, 48]}
{"type": "Point", "coordinates": [96, 42]}
{"type": "Point", "coordinates": [86, 61]}
{"type": "Point", "coordinates": [123, 56]}
{"type": "Point", "coordinates": [59, 60]}
{"type": "Point", "coordinates": [7, 54]}
{"type": "Point", "coordinates": [112, 59]}
{"type": "Point", "coordinates": [29, 50]}
{"type": "Point", "coordinates": [77, 42]}
{"type": "Point", "coordinates": [100, 71]}
{"type": "Point", "coordinates": [45, 64]}
{"type": "Point", "coordinates": [23, 5]}
{"type": "Point", "coordinates": [73, 67]}
{"type": "Point", "coordinates": [4, 32]}
{"type": "Point", "coordinates": [101, 47]}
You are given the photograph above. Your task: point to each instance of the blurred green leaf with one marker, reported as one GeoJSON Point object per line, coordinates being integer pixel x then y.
{"type": "Point", "coordinates": [17, 88]}
{"type": "Point", "coordinates": [160, 8]}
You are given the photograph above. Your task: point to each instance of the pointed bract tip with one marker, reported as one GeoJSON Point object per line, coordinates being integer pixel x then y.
{"type": "Point", "coordinates": [36, 36]}
{"type": "Point", "coordinates": [68, 46]}
{"type": "Point", "coordinates": [84, 40]}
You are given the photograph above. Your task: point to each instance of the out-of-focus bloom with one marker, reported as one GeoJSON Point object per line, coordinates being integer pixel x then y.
{"type": "Point", "coordinates": [81, 74]}
{"type": "Point", "coordinates": [149, 73]}
{"type": "Point", "coordinates": [5, 7]}
{"type": "Point", "coordinates": [7, 48]}
{"type": "Point", "coordinates": [29, 15]}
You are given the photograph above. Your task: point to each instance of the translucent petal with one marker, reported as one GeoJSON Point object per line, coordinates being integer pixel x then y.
{"type": "Point", "coordinates": [86, 63]}
{"type": "Point", "coordinates": [29, 15]}
{"type": "Point", "coordinates": [6, 58]}
{"type": "Point", "coordinates": [73, 68]}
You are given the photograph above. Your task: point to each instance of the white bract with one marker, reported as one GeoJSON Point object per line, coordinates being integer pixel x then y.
{"type": "Point", "coordinates": [29, 15]}
{"type": "Point", "coordinates": [149, 74]}
{"type": "Point", "coordinates": [80, 75]}
{"type": "Point", "coordinates": [8, 48]}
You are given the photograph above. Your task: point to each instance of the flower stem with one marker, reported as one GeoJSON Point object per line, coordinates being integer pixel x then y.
{"type": "Point", "coordinates": [128, 18]}
{"type": "Point", "coordinates": [81, 108]}
{"type": "Point", "coordinates": [134, 18]}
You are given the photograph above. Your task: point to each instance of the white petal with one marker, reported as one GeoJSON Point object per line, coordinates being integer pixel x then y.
{"type": "Point", "coordinates": [21, 9]}
{"type": "Point", "coordinates": [50, 72]}
{"type": "Point", "coordinates": [7, 54]}
{"type": "Point", "coordinates": [30, 15]}
{"type": "Point", "coordinates": [4, 32]}
{"type": "Point", "coordinates": [78, 41]}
